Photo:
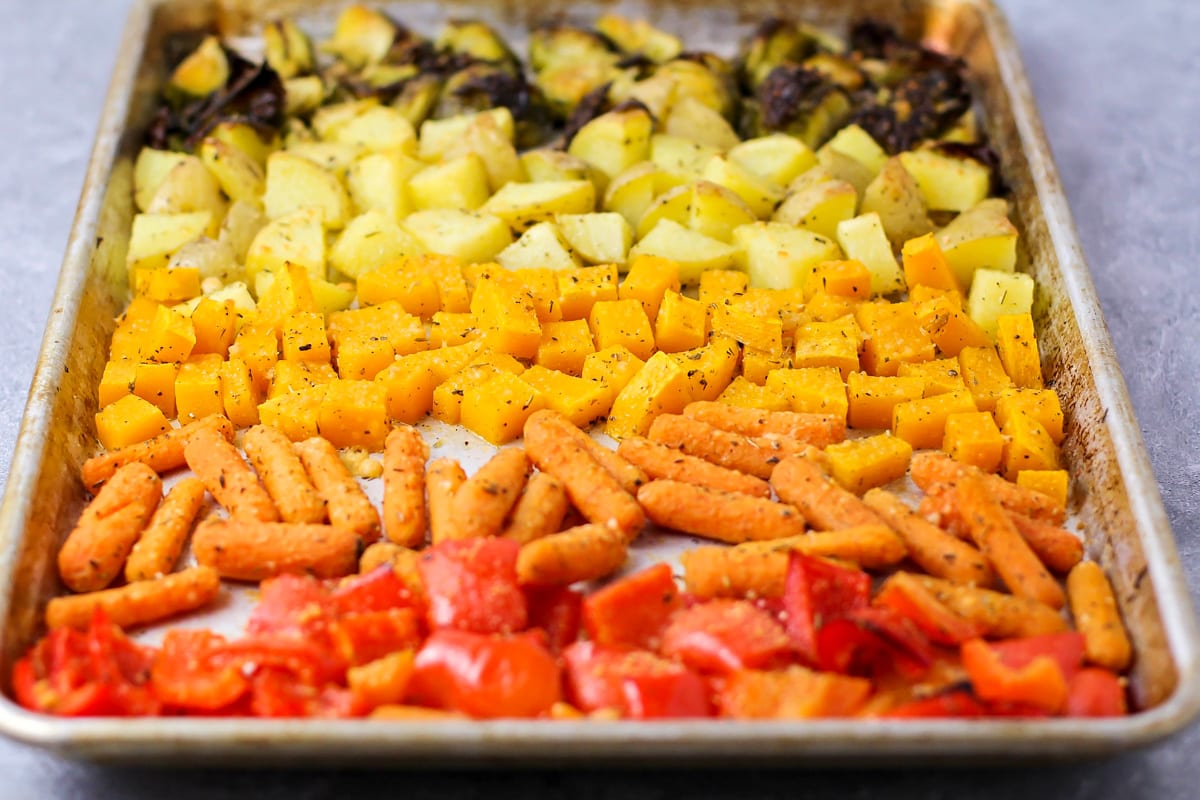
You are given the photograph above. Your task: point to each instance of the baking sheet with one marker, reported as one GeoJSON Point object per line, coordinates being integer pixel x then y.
{"type": "Point", "coordinates": [1115, 498]}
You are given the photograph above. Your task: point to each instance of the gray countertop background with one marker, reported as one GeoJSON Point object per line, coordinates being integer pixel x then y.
{"type": "Point", "coordinates": [1117, 85]}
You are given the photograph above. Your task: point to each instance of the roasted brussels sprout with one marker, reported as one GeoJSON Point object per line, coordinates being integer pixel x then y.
{"type": "Point", "coordinates": [800, 101]}
{"type": "Point", "coordinates": [288, 49]}
{"type": "Point", "coordinates": [417, 98]}
{"type": "Point", "coordinates": [920, 107]}
{"type": "Point", "coordinates": [775, 42]}
{"type": "Point", "coordinates": [483, 86]}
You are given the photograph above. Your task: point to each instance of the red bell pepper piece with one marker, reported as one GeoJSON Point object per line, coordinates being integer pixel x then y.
{"type": "Point", "coordinates": [1066, 649]}
{"type": "Point", "coordinates": [907, 597]}
{"type": "Point", "coordinates": [471, 585]}
{"type": "Point", "coordinates": [633, 610]}
{"type": "Point", "coordinates": [792, 693]}
{"type": "Point", "coordinates": [360, 638]}
{"type": "Point", "coordinates": [722, 636]}
{"type": "Point", "coordinates": [278, 693]}
{"type": "Point", "coordinates": [190, 674]}
{"type": "Point", "coordinates": [635, 683]}
{"type": "Point", "coordinates": [815, 592]}
{"type": "Point", "coordinates": [1039, 683]}
{"type": "Point", "coordinates": [378, 590]}
{"type": "Point", "coordinates": [1095, 692]}
{"type": "Point", "coordinates": [957, 703]}
{"type": "Point", "coordinates": [286, 603]}
{"type": "Point", "coordinates": [911, 652]}
{"type": "Point", "coordinates": [556, 610]}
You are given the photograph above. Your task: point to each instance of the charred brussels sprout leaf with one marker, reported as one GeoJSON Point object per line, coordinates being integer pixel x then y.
{"type": "Point", "coordinates": [919, 108]}
{"type": "Point", "coordinates": [483, 86]}
{"type": "Point", "coordinates": [802, 102]}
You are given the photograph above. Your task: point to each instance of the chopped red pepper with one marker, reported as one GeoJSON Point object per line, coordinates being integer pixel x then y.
{"type": "Point", "coordinates": [722, 636]}
{"type": "Point", "coordinates": [1039, 683]}
{"type": "Point", "coordinates": [557, 611]}
{"type": "Point", "coordinates": [635, 683]}
{"type": "Point", "coordinates": [957, 702]}
{"type": "Point", "coordinates": [815, 592]}
{"type": "Point", "coordinates": [1095, 692]}
{"type": "Point", "coordinates": [471, 585]}
{"type": "Point", "coordinates": [633, 610]}
{"type": "Point", "coordinates": [908, 598]}
{"type": "Point", "coordinates": [190, 674]}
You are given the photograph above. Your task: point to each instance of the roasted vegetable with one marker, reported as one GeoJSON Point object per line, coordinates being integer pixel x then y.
{"type": "Point", "coordinates": [478, 41]}
{"type": "Point", "coordinates": [288, 49]}
{"type": "Point", "coordinates": [800, 101]}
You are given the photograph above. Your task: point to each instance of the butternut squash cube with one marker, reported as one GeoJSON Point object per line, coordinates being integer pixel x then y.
{"type": "Point", "coordinates": [281, 292]}
{"type": "Point", "coordinates": [1041, 404]}
{"type": "Point", "coordinates": [129, 420]}
{"type": "Point", "coordinates": [873, 398]}
{"type": "Point", "coordinates": [847, 278]}
{"type": "Point", "coordinates": [497, 408]}
{"type": "Point", "coordinates": [259, 348]}
{"type": "Point", "coordinates": [984, 375]}
{"type": "Point", "coordinates": [408, 386]}
{"type": "Point", "coordinates": [542, 284]}
{"type": "Point", "coordinates": [757, 364]}
{"type": "Point", "coordinates": [215, 324]}
{"type": "Point", "coordinates": [973, 438]}
{"type": "Point", "coordinates": [949, 327]}
{"type": "Point", "coordinates": [681, 323]}
{"type": "Point", "coordinates": [580, 289]}
{"type": "Point", "coordinates": [290, 377]}
{"type": "Point", "coordinates": [294, 414]}
{"type": "Point", "coordinates": [761, 333]}
{"type": "Point", "coordinates": [365, 340]}
{"type": "Point", "coordinates": [786, 305]}
{"type": "Point", "coordinates": [449, 360]}
{"type": "Point", "coordinates": [719, 285]}
{"type": "Point", "coordinates": [415, 290]}
{"type": "Point", "coordinates": [169, 284]}
{"type": "Point", "coordinates": [578, 399]}
{"type": "Point", "coordinates": [828, 344]}
{"type": "Point", "coordinates": [710, 368]}
{"type": "Point", "coordinates": [156, 383]}
{"type": "Point", "coordinates": [816, 390]}
{"type": "Point", "coordinates": [449, 330]}
{"type": "Point", "coordinates": [940, 375]}
{"type": "Point", "coordinates": [922, 423]}
{"type": "Point", "coordinates": [448, 396]}
{"type": "Point", "coordinates": [825, 307]}
{"type": "Point", "coordinates": [862, 464]}
{"type": "Point", "coordinates": [613, 366]}
{"type": "Point", "coordinates": [1054, 483]}
{"type": "Point", "coordinates": [1018, 348]}
{"type": "Point", "coordinates": [170, 339]}
{"type": "Point", "coordinates": [622, 322]}
{"type": "Point", "coordinates": [1027, 446]}
{"type": "Point", "coordinates": [447, 275]}
{"type": "Point", "coordinates": [648, 279]}
{"type": "Point", "coordinates": [132, 327]}
{"type": "Point", "coordinates": [922, 294]}
{"type": "Point", "coordinates": [354, 414]}
{"type": "Point", "coordinates": [925, 265]}
{"type": "Point", "coordinates": [239, 398]}
{"type": "Point", "coordinates": [565, 346]}
{"type": "Point", "coordinates": [994, 294]}
{"type": "Point", "coordinates": [744, 394]}
{"type": "Point", "coordinates": [198, 388]}
{"type": "Point", "coordinates": [661, 386]}
{"type": "Point", "coordinates": [304, 338]}
{"type": "Point", "coordinates": [508, 320]}
{"type": "Point", "coordinates": [893, 337]}
{"type": "Point", "coordinates": [116, 381]}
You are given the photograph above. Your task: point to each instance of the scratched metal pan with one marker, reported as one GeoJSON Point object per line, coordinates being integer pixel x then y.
{"type": "Point", "coordinates": [1115, 498]}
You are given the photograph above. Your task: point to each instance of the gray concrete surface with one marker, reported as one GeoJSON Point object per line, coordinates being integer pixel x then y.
{"type": "Point", "coordinates": [1117, 86]}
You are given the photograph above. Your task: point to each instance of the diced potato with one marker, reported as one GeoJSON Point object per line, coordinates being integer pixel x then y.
{"type": "Point", "coordinates": [205, 69]}
{"type": "Point", "coordinates": [994, 294]}
{"type": "Point", "coordinates": [598, 238]}
{"type": "Point", "coordinates": [239, 175]}
{"type": "Point", "coordinates": [334, 157]}
{"type": "Point", "coordinates": [759, 194]}
{"type": "Point", "coordinates": [846, 168]}
{"type": "Point", "coordinates": [947, 183]}
{"type": "Point", "coordinates": [471, 237]}
{"type": "Point", "coordinates": [779, 256]}
{"type": "Point", "coordinates": [190, 187]}
{"type": "Point", "coordinates": [250, 139]}
{"type": "Point", "coordinates": [693, 120]}
{"type": "Point", "coordinates": [614, 142]}
{"type": "Point", "coordinates": [819, 207]}
{"type": "Point", "coordinates": [155, 237]}
{"type": "Point", "coordinates": [545, 164]}
{"type": "Point", "coordinates": [980, 238]}
{"type": "Point", "coordinates": [460, 183]}
{"type": "Point", "coordinates": [778, 158]}
{"type": "Point", "coordinates": [522, 205]}
{"type": "Point", "coordinates": [632, 192]}
{"type": "Point", "coordinates": [242, 223]}
{"type": "Point", "coordinates": [856, 143]}
{"type": "Point", "coordinates": [377, 128]}
{"type": "Point", "coordinates": [862, 239]}
{"type": "Point", "coordinates": [287, 49]}
{"type": "Point", "coordinates": [639, 36]}
{"type": "Point", "coordinates": [150, 170]}
{"type": "Point", "coordinates": [294, 182]}
{"type": "Point", "coordinates": [679, 155]}
{"type": "Point", "coordinates": [380, 180]}
{"type": "Point", "coordinates": [370, 241]}
{"type": "Point", "coordinates": [693, 252]}
{"type": "Point", "coordinates": [540, 247]}
{"type": "Point", "coordinates": [362, 36]}
{"type": "Point", "coordinates": [484, 138]}
{"type": "Point", "coordinates": [298, 238]}
{"type": "Point", "coordinates": [894, 196]}
{"type": "Point", "coordinates": [439, 135]}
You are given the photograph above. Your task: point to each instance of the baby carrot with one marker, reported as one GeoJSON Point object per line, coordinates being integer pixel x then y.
{"type": "Point", "coordinates": [1058, 548]}
{"type": "Point", "coordinates": [869, 546]}
{"type": "Point", "coordinates": [754, 456]}
{"type": "Point", "coordinates": [930, 547]}
{"type": "Point", "coordinates": [138, 603]}
{"type": "Point", "coordinates": [442, 482]}
{"type": "Point", "coordinates": [818, 430]}
{"type": "Point", "coordinates": [228, 478]}
{"type": "Point", "coordinates": [251, 550]}
{"type": "Point", "coordinates": [162, 453]}
{"type": "Point", "coordinates": [1003, 547]}
{"type": "Point", "coordinates": [539, 511]}
{"type": "Point", "coordinates": [593, 490]}
{"type": "Point", "coordinates": [583, 553]}
{"type": "Point", "coordinates": [823, 503]}
{"type": "Point", "coordinates": [95, 550]}
{"type": "Point", "coordinates": [929, 470]}
{"type": "Point", "coordinates": [483, 502]}
{"type": "Point", "coordinates": [628, 475]}
{"type": "Point", "coordinates": [665, 463]}
{"type": "Point", "coordinates": [277, 464]}
{"type": "Point", "coordinates": [999, 615]}
{"type": "Point", "coordinates": [734, 572]}
{"type": "Point", "coordinates": [404, 457]}
{"type": "Point", "coordinates": [159, 546]}
{"type": "Point", "coordinates": [724, 516]}
{"type": "Point", "coordinates": [1106, 643]}
{"type": "Point", "coordinates": [345, 500]}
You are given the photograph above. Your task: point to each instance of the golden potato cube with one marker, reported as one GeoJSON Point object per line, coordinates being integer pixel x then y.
{"type": "Point", "coordinates": [994, 294]}
{"type": "Point", "coordinates": [295, 182]}
{"type": "Point", "coordinates": [522, 205]}
{"type": "Point", "coordinates": [470, 237]}
{"type": "Point", "coordinates": [154, 238]}
{"type": "Point", "coordinates": [298, 238]}
{"type": "Point", "coordinates": [372, 241]}
{"type": "Point", "coordinates": [694, 252]}
{"type": "Point", "coordinates": [460, 183]}
{"type": "Point", "coordinates": [540, 247]}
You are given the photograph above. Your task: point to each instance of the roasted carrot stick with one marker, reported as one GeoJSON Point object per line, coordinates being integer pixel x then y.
{"type": "Point", "coordinates": [404, 458]}
{"type": "Point", "coordinates": [734, 572]}
{"type": "Point", "coordinates": [1058, 548]}
{"type": "Point", "coordinates": [160, 544]}
{"type": "Point", "coordinates": [724, 516]}
{"type": "Point", "coordinates": [442, 481]}
{"type": "Point", "coordinates": [539, 511]}
{"type": "Point", "coordinates": [1094, 607]}
{"type": "Point", "coordinates": [250, 550]}
{"type": "Point", "coordinates": [95, 550]}
{"type": "Point", "coordinates": [228, 478]}
{"type": "Point", "coordinates": [348, 506]}
{"type": "Point", "coordinates": [483, 502]}
{"type": "Point", "coordinates": [1003, 547]}
{"type": "Point", "coordinates": [592, 489]}
{"type": "Point", "coordinates": [931, 470]}
{"type": "Point", "coordinates": [825, 505]}
{"type": "Point", "coordinates": [930, 548]}
{"type": "Point", "coordinates": [628, 475]}
{"type": "Point", "coordinates": [868, 546]}
{"type": "Point", "coordinates": [584, 553]}
{"type": "Point", "coordinates": [279, 467]}
{"type": "Point", "coordinates": [999, 615]}
{"type": "Point", "coordinates": [666, 463]}
{"type": "Point", "coordinates": [754, 456]}
{"type": "Point", "coordinates": [138, 603]}
{"type": "Point", "coordinates": [162, 453]}
{"type": "Point", "coordinates": [818, 430]}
